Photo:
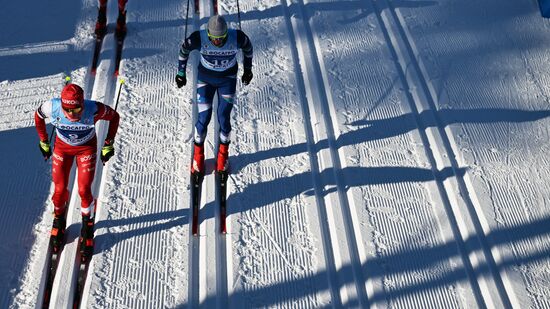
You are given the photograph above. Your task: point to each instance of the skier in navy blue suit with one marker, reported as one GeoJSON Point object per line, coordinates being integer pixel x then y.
{"type": "Point", "coordinates": [217, 72]}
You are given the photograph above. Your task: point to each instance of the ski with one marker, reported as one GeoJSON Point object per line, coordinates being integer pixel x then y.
{"type": "Point", "coordinates": [52, 262]}
{"type": "Point", "coordinates": [221, 181]}
{"type": "Point", "coordinates": [83, 264]}
{"type": "Point", "coordinates": [197, 7]}
{"type": "Point", "coordinates": [196, 184]}
{"type": "Point", "coordinates": [215, 5]}
{"type": "Point", "coordinates": [119, 45]}
{"type": "Point", "coordinates": [97, 51]}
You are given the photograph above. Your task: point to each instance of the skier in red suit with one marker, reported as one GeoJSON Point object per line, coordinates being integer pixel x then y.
{"type": "Point", "coordinates": [74, 119]}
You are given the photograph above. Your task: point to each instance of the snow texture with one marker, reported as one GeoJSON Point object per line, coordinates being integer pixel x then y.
{"type": "Point", "coordinates": [387, 154]}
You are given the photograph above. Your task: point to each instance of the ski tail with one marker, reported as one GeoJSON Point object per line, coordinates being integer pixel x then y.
{"type": "Point", "coordinates": [51, 268]}
{"type": "Point", "coordinates": [196, 184]}
{"type": "Point", "coordinates": [215, 6]}
{"type": "Point", "coordinates": [118, 57]}
{"type": "Point", "coordinates": [222, 189]}
{"type": "Point", "coordinates": [83, 265]}
{"type": "Point", "coordinates": [97, 51]}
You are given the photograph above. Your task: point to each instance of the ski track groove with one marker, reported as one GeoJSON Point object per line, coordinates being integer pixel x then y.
{"type": "Point", "coordinates": [525, 93]}
{"type": "Point", "coordinates": [195, 261]}
{"type": "Point", "coordinates": [146, 200]}
{"type": "Point", "coordinates": [223, 265]}
{"type": "Point", "coordinates": [466, 188]}
{"type": "Point", "coordinates": [390, 229]}
{"type": "Point", "coordinates": [341, 206]}
{"type": "Point", "coordinates": [395, 48]}
{"type": "Point", "coordinates": [444, 145]}
{"type": "Point", "coordinates": [65, 280]}
{"type": "Point", "coordinates": [259, 283]}
{"type": "Point", "coordinates": [327, 239]}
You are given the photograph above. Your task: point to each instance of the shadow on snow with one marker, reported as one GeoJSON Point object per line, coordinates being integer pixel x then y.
{"type": "Point", "coordinates": [24, 188]}
{"type": "Point", "coordinates": [391, 266]}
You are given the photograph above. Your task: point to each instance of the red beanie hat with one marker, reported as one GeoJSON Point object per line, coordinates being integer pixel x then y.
{"type": "Point", "coordinates": [72, 96]}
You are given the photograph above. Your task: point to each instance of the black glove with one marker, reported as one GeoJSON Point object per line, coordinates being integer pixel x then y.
{"type": "Point", "coordinates": [107, 151]}
{"type": "Point", "coordinates": [45, 149]}
{"type": "Point", "coordinates": [181, 80]}
{"type": "Point", "coordinates": [247, 76]}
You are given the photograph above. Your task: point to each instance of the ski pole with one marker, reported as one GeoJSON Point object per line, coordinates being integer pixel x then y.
{"type": "Point", "coordinates": [116, 105]}
{"type": "Point", "coordinates": [239, 15]}
{"type": "Point", "coordinates": [186, 17]}
{"type": "Point", "coordinates": [119, 90]}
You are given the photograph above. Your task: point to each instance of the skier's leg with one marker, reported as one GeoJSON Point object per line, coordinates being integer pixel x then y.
{"type": "Point", "coordinates": [86, 161]}
{"type": "Point", "coordinates": [226, 97]}
{"type": "Point", "coordinates": [205, 95]}
{"type": "Point", "coordinates": [61, 168]}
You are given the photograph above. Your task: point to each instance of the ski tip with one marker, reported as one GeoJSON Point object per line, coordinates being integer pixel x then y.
{"type": "Point", "coordinates": [116, 73]}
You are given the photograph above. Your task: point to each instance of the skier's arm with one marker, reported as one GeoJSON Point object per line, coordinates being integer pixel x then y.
{"type": "Point", "coordinates": [42, 112]}
{"type": "Point", "coordinates": [105, 112]}
{"type": "Point", "coordinates": [243, 42]}
{"type": "Point", "coordinates": [191, 43]}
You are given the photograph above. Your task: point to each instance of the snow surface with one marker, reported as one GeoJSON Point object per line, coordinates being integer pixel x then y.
{"type": "Point", "coordinates": [387, 154]}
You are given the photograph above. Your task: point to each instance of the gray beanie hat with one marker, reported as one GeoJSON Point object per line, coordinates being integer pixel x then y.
{"type": "Point", "coordinates": [217, 25]}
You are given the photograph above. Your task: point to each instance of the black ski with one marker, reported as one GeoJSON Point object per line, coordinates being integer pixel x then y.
{"type": "Point", "coordinates": [52, 262]}
{"type": "Point", "coordinates": [83, 264]}
{"type": "Point", "coordinates": [196, 185]}
{"type": "Point", "coordinates": [215, 5]}
{"type": "Point", "coordinates": [97, 51]}
{"type": "Point", "coordinates": [118, 57]}
{"type": "Point", "coordinates": [197, 7]}
{"type": "Point", "coordinates": [221, 182]}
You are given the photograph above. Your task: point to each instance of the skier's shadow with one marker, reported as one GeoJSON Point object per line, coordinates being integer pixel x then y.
{"type": "Point", "coordinates": [391, 264]}
{"type": "Point", "coordinates": [254, 196]}
{"type": "Point", "coordinates": [370, 130]}
{"type": "Point", "coordinates": [118, 230]}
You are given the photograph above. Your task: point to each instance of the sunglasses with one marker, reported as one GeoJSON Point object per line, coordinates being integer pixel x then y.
{"type": "Point", "coordinates": [217, 37]}
{"type": "Point", "coordinates": [73, 110]}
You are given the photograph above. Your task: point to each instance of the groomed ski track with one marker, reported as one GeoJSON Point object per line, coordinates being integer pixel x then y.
{"type": "Point", "coordinates": [356, 181]}
{"type": "Point", "coordinates": [101, 87]}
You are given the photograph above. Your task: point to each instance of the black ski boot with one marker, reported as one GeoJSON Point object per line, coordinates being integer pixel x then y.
{"type": "Point", "coordinates": [58, 233]}
{"type": "Point", "coordinates": [87, 238]}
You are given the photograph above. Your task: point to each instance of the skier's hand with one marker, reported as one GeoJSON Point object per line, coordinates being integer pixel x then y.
{"type": "Point", "coordinates": [247, 76]}
{"type": "Point", "coordinates": [181, 80]}
{"type": "Point", "coordinates": [107, 151]}
{"type": "Point", "coordinates": [45, 149]}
